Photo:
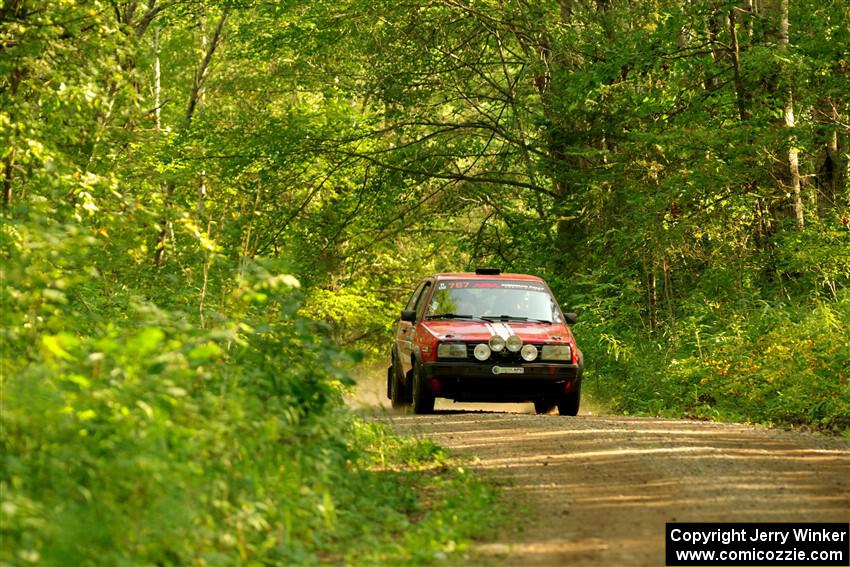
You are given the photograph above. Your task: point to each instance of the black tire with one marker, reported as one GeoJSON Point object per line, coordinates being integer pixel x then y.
{"type": "Point", "coordinates": [543, 406]}
{"type": "Point", "coordinates": [398, 394]}
{"type": "Point", "coordinates": [569, 403]}
{"type": "Point", "coordinates": [423, 399]}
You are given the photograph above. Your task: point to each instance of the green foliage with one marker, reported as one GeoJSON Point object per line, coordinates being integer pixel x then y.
{"type": "Point", "coordinates": [451, 506]}
{"type": "Point", "coordinates": [142, 438]}
{"type": "Point", "coordinates": [146, 439]}
{"type": "Point", "coordinates": [361, 317]}
{"type": "Point", "coordinates": [782, 364]}
{"type": "Point", "coordinates": [639, 156]}
{"type": "Point", "coordinates": [171, 388]}
{"type": "Point", "coordinates": [795, 368]}
{"type": "Point", "coordinates": [205, 205]}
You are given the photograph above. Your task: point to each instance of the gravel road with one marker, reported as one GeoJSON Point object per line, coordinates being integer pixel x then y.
{"type": "Point", "coordinates": [597, 490]}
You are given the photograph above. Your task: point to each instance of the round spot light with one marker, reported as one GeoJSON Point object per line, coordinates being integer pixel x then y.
{"type": "Point", "coordinates": [481, 352]}
{"type": "Point", "coordinates": [514, 343]}
{"type": "Point", "coordinates": [529, 353]}
{"type": "Point", "coordinates": [497, 343]}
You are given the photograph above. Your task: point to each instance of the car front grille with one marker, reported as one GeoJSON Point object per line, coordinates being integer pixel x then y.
{"type": "Point", "coordinates": [504, 356]}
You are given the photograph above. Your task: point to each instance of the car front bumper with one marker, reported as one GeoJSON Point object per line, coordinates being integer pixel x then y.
{"type": "Point", "coordinates": [486, 382]}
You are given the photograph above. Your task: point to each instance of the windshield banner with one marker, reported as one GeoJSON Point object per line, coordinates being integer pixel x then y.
{"type": "Point", "coordinates": [503, 284]}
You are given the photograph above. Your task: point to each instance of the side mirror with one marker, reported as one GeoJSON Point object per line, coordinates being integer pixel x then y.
{"type": "Point", "coordinates": [408, 315]}
{"type": "Point", "coordinates": [571, 318]}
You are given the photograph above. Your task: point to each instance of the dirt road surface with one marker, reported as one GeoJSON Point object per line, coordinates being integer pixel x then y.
{"type": "Point", "coordinates": [597, 490]}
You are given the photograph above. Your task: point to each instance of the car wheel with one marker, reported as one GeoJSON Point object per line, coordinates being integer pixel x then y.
{"type": "Point", "coordinates": [569, 404]}
{"type": "Point", "coordinates": [423, 399]}
{"type": "Point", "coordinates": [543, 406]}
{"type": "Point", "coordinates": [397, 394]}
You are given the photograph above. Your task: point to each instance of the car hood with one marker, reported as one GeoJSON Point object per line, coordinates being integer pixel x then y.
{"type": "Point", "coordinates": [481, 331]}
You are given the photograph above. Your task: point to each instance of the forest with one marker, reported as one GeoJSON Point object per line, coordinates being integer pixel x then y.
{"type": "Point", "coordinates": [213, 211]}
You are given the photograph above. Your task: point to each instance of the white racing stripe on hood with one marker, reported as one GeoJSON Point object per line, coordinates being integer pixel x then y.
{"type": "Point", "coordinates": [501, 329]}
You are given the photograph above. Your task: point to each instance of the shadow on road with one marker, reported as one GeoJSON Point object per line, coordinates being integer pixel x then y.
{"type": "Point", "coordinates": [597, 490]}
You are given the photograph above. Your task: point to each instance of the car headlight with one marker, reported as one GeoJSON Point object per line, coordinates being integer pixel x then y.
{"type": "Point", "coordinates": [528, 353]}
{"type": "Point", "coordinates": [481, 352]}
{"type": "Point", "coordinates": [556, 352]}
{"type": "Point", "coordinates": [451, 350]}
{"type": "Point", "coordinates": [514, 343]}
{"type": "Point", "coordinates": [497, 343]}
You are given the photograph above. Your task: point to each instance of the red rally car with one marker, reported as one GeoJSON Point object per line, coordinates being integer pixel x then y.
{"type": "Point", "coordinates": [485, 337]}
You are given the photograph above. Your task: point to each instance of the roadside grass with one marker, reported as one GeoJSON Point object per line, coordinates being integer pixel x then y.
{"type": "Point", "coordinates": [782, 367]}
{"type": "Point", "coordinates": [152, 441]}
{"type": "Point", "coordinates": [415, 504]}
{"type": "Point", "coordinates": [425, 505]}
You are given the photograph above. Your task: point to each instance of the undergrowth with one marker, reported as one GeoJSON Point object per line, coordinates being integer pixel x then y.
{"type": "Point", "coordinates": [131, 435]}
{"type": "Point", "coordinates": [779, 364]}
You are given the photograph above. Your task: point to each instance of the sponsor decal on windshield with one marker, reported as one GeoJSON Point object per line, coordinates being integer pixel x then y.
{"type": "Point", "coordinates": [509, 284]}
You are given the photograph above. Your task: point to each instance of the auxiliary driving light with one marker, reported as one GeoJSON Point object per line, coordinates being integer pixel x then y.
{"type": "Point", "coordinates": [528, 353]}
{"type": "Point", "coordinates": [497, 343]}
{"type": "Point", "coordinates": [514, 343]}
{"type": "Point", "coordinates": [481, 352]}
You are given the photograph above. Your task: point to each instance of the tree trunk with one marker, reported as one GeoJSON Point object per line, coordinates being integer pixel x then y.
{"type": "Point", "coordinates": [751, 10]}
{"type": "Point", "coordinates": [206, 278]}
{"type": "Point", "coordinates": [7, 182]}
{"type": "Point", "coordinates": [793, 157]}
{"type": "Point", "coordinates": [203, 68]}
{"type": "Point", "coordinates": [668, 293]}
{"type": "Point", "coordinates": [790, 183]}
{"type": "Point", "coordinates": [157, 84]}
{"type": "Point", "coordinates": [652, 290]}
{"type": "Point", "coordinates": [202, 181]}
{"type": "Point", "coordinates": [842, 172]}
{"type": "Point", "coordinates": [712, 30]}
{"type": "Point", "coordinates": [740, 93]}
{"type": "Point", "coordinates": [794, 165]}
{"type": "Point", "coordinates": [830, 167]}
{"type": "Point", "coordinates": [194, 96]}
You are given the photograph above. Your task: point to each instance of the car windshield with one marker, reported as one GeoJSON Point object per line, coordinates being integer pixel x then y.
{"type": "Point", "coordinates": [498, 299]}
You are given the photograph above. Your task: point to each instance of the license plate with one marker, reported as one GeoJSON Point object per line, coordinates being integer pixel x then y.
{"type": "Point", "coordinates": [508, 370]}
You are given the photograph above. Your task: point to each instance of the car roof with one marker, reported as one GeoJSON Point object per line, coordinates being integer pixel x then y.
{"type": "Point", "coordinates": [474, 276]}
